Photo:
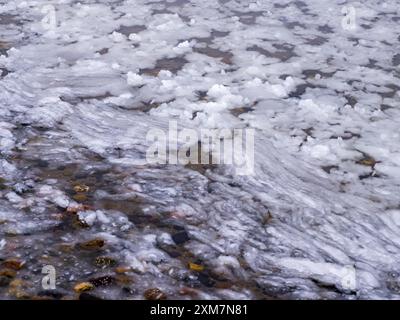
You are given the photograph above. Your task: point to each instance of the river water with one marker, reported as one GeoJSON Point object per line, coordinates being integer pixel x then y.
{"type": "Point", "coordinates": [83, 82]}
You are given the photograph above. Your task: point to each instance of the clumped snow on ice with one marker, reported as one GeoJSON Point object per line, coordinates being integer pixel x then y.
{"type": "Point", "coordinates": [319, 219]}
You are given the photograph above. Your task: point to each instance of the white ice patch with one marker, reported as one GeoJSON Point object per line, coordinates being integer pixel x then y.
{"type": "Point", "coordinates": [117, 37]}
{"type": "Point", "coordinates": [55, 196]}
{"type": "Point", "coordinates": [342, 276]}
{"type": "Point", "coordinates": [134, 79]}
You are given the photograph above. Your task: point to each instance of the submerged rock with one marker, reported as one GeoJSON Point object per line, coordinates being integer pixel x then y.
{"type": "Point", "coordinates": [122, 270]}
{"type": "Point", "coordinates": [103, 262]}
{"type": "Point", "coordinates": [17, 288]}
{"type": "Point", "coordinates": [367, 161]}
{"type": "Point", "coordinates": [88, 296]}
{"type": "Point", "coordinates": [13, 264]}
{"type": "Point", "coordinates": [8, 273]}
{"type": "Point", "coordinates": [180, 237]}
{"type": "Point", "coordinates": [154, 294]}
{"type": "Point", "coordinates": [103, 281]}
{"type": "Point", "coordinates": [195, 267]}
{"type": "Point", "coordinates": [83, 286]}
{"type": "Point", "coordinates": [205, 279]}
{"type": "Point", "coordinates": [80, 197]}
{"type": "Point", "coordinates": [4, 281]}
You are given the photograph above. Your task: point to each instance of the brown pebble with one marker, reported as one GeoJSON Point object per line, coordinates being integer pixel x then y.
{"type": "Point", "coordinates": [65, 247]}
{"type": "Point", "coordinates": [83, 286]}
{"type": "Point", "coordinates": [267, 218]}
{"type": "Point", "coordinates": [195, 267]}
{"type": "Point", "coordinates": [16, 289]}
{"type": "Point", "coordinates": [8, 273]}
{"type": "Point", "coordinates": [155, 294]}
{"type": "Point", "coordinates": [223, 285]}
{"type": "Point", "coordinates": [123, 279]}
{"type": "Point", "coordinates": [80, 197]}
{"type": "Point", "coordinates": [13, 264]}
{"type": "Point", "coordinates": [368, 161]}
{"type": "Point", "coordinates": [92, 244]}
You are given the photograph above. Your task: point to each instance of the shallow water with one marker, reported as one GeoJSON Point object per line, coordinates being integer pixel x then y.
{"type": "Point", "coordinates": [78, 98]}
